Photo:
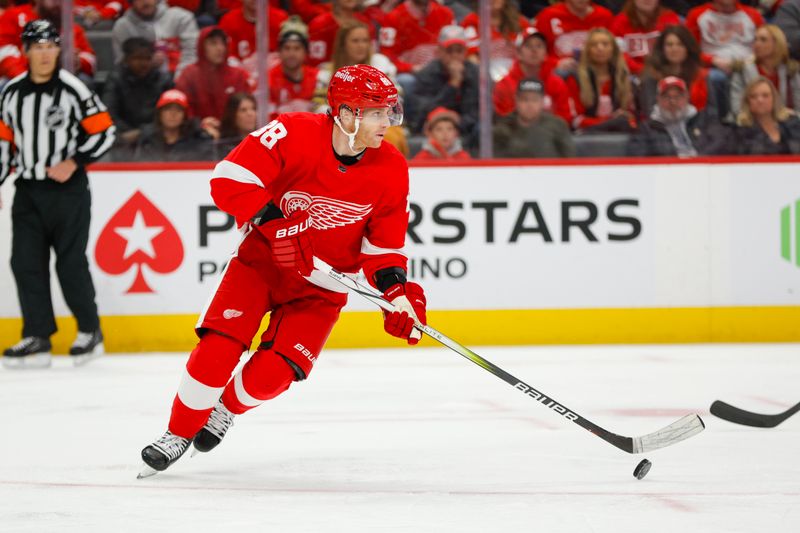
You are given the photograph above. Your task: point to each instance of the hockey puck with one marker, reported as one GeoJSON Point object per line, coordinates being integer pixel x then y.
{"type": "Point", "coordinates": [642, 469]}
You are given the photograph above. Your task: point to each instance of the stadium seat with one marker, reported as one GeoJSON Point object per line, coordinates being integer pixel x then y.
{"type": "Point", "coordinates": [601, 144]}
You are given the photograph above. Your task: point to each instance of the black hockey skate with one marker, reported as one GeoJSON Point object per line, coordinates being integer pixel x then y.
{"type": "Point", "coordinates": [30, 352]}
{"type": "Point", "coordinates": [219, 422]}
{"type": "Point", "coordinates": [162, 453]}
{"type": "Point", "coordinates": [87, 346]}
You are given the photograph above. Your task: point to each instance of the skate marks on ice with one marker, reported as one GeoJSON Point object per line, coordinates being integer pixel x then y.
{"type": "Point", "coordinates": [408, 440]}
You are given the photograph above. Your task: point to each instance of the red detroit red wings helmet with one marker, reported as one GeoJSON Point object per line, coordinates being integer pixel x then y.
{"type": "Point", "coordinates": [363, 86]}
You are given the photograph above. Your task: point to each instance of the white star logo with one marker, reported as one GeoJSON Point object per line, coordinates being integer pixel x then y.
{"type": "Point", "coordinates": [139, 237]}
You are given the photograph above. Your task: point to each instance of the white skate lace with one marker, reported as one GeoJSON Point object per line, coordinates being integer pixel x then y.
{"type": "Point", "coordinates": [172, 445]}
{"type": "Point", "coordinates": [24, 343]}
{"type": "Point", "coordinates": [83, 340]}
{"type": "Point", "coordinates": [220, 421]}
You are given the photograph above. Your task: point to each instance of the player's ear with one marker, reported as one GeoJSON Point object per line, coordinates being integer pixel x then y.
{"type": "Point", "coordinates": [346, 115]}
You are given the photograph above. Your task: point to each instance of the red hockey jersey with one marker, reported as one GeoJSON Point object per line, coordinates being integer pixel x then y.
{"type": "Point", "coordinates": [13, 62]}
{"type": "Point", "coordinates": [322, 32]}
{"type": "Point", "coordinates": [242, 32]}
{"type": "Point", "coordinates": [727, 35]}
{"type": "Point", "coordinates": [410, 38]}
{"type": "Point", "coordinates": [358, 213]}
{"type": "Point", "coordinates": [566, 32]}
{"type": "Point", "coordinates": [637, 43]}
{"type": "Point", "coordinates": [287, 95]}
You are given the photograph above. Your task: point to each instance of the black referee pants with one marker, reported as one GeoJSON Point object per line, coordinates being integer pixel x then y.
{"type": "Point", "coordinates": [46, 215]}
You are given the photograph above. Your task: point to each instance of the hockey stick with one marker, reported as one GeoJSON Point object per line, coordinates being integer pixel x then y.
{"type": "Point", "coordinates": [679, 430]}
{"type": "Point", "coordinates": [733, 414]}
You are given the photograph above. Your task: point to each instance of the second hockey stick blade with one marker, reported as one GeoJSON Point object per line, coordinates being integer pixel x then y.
{"type": "Point", "coordinates": [733, 414]}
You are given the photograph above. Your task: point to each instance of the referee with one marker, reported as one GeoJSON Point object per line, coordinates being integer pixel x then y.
{"type": "Point", "coordinates": [51, 127]}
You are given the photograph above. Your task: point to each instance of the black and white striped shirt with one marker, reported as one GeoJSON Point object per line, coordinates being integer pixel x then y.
{"type": "Point", "coordinates": [44, 124]}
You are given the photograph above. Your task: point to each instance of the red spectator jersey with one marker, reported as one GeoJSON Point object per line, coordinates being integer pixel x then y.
{"type": "Point", "coordinates": [288, 95]}
{"type": "Point", "coordinates": [556, 98]}
{"type": "Point", "coordinates": [358, 213]}
{"type": "Point", "coordinates": [729, 36]}
{"type": "Point", "coordinates": [566, 32]}
{"type": "Point", "coordinates": [108, 9]}
{"type": "Point", "coordinates": [637, 43]}
{"type": "Point", "coordinates": [208, 86]}
{"type": "Point", "coordinates": [12, 60]}
{"type": "Point", "coordinates": [501, 45]}
{"type": "Point", "coordinates": [322, 33]}
{"type": "Point", "coordinates": [409, 37]}
{"type": "Point", "coordinates": [307, 9]}
{"type": "Point", "coordinates": [242, 32]}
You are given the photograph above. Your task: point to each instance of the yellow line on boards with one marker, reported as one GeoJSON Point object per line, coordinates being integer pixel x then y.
{"type": "Point", "coordinates": [170, 333]}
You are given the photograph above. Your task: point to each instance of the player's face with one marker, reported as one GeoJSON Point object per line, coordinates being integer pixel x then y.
{"type": "Point", "coordinates": [672, 102]}
{"type": "Point", "coordinates": [357, 45]}
{"type": "Point", "coordinates": [760, 100]}
{"type": "Point", "coordinates": [215, 50]}
{"type": "Point", "coordinates": [246, 116]}
{"type": "Point", "coordinates": [532, 52]}
{"type": "Point", "coordinates": [292, 54]}
{"type": "Point", "coordinates": [172, 116]}
{"type": "Point", "coordinates": [444, 133]}
{"type": "Point", "coordinates": [601, 49]}
{"type": "Point", "coordinates": [764, 45]}
{"type": "Point", "coordinates": [674, 51]}
{"type": "Point", "coordinates": [529, 106]}
{"type": "Point", "coordinates": [42, 58]}
{"type": "Point", "coordinates": [373, 126]}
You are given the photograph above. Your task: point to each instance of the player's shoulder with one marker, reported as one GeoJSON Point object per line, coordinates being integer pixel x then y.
{"type": "Point", "coordinates": [391, 157]}
{"type": "Point", "coordinates": [302, 121]}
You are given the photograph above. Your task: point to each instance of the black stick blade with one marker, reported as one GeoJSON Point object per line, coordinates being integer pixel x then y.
{"type": "Point", "coordinates": [733, 414]}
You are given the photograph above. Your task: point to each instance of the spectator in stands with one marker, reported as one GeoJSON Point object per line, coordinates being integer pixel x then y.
{"type": "Point", "coordinates": [131, 93]}
{"type": "Point", "coordinates": [530, 63]}
{"type": "Point", "coordinates": [677, 128]}
{"type": "Point", "coordinates": [322, 30]}
{"type": "Point", "coordinates": [238, 120]}
{"type": "Point", "coordinates": [209, 81]}
{"type": "Point", "coordinates": [676, 53]}
{"type": "Point", "coordinates": [450, 81]}
{"type": "Point", "coordinates": [13, 19]}
{"type": "Point", "coordinates": [173, 136]}
{"type": "Point", "coordinates": [765, 125]}
{"type": "Point", "coordinates": [98, 13]}
{"type": "Point", "coordinates": [442, 141]}
{"type": "Point", "coordinates": [291, 82]}
{"type": "Point", "coordinates": [601, 91]}
{"type": "Point", "coordinates": [352, 46]}
{"type": "Point", "coordinates": [409, 35]}
{"type": "Point", "coordinates": [507, 26]}
{"type": "Point", "coordinates": [725, 30]}
{"type": "Point", "coordinates": [172, 29]}
{"type": "Point", "coordinates": [240, 26]}
{"type": "Point", "coordinates": [566, 25]}
{"type": "Point", "coordinates": [771, 60]}
{"type": "Point", "coordinates": [638, 26]}
{"type": "Point", "coordinates": [530, 131]}
{"type": "Point", "coordinates": [787, 18]}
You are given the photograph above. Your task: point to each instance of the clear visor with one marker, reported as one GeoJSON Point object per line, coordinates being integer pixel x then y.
{"type": "Point", "coordinates": [391, 115]}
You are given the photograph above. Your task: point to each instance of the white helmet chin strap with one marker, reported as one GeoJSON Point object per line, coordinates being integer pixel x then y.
{"type": "Point", "coordinates": [351, 137]}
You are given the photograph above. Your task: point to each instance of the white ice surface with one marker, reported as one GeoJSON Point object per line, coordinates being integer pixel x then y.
{"type": "Point", "coordinates": [413, 441]}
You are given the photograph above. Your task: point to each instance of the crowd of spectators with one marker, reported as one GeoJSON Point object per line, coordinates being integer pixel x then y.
{"type": "Point", "coordinates": [671, 77]}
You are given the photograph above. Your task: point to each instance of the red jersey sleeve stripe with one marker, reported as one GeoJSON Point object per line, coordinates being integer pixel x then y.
{"type": "Point", "coordinates": [229, 170]}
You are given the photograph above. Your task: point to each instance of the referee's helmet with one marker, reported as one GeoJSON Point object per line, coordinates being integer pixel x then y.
{"type": "Point", "coordinates": [40, 31]}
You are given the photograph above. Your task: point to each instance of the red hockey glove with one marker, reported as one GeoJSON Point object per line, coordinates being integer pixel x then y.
{"type": "Point", "coordinates": [290, 242]}
{"type": "Point", "coordinates": [410, 303]}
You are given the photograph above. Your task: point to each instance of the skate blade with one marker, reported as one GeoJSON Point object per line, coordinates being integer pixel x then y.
{"type": "Point", "coordinates": [83, 359]}
{"type": "Point", "coordinates": [39, 360]}
{"type": "Point", "coordinates": [146, 472]}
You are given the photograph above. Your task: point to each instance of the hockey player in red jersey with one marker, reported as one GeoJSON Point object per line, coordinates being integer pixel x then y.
{"type": "Point", "coordinates": [304, 185]}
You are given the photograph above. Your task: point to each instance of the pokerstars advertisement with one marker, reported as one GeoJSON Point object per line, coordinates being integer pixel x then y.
{"type": "Point", "coordinates": [544, 237]}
